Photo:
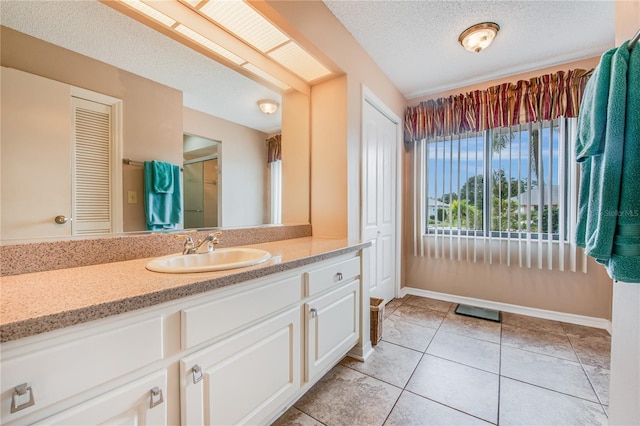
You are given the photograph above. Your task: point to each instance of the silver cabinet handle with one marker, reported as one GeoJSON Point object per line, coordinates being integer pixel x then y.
{"type": "Point", "coordinates": [20, 395]}
{"type": "Point", "coordinates": [313, 312]}
{"type": "Point", "coordinates": [61, 219]}
{"type": "Point", "coordinates": [339, 276]}
{"type": "Point", "coordinates": [156, 397]}
{"type": "Point", "coordinates": [197, 373]}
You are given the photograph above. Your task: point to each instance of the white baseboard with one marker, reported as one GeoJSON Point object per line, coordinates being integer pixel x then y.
{"type": "Point", "coordinates": [514, 309]}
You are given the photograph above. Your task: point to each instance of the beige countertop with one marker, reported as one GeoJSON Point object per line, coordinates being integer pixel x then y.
{"type": "Point", "coordinates": [44, 301]}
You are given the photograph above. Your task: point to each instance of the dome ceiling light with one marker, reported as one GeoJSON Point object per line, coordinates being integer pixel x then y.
{"type": "Point", "coordinates": [268, 106]}
{"type": "Point", "coordinates": [479, 36]}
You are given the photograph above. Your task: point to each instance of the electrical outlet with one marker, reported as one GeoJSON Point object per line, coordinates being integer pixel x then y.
{"type": "Point", "coordinates": [132, 197]}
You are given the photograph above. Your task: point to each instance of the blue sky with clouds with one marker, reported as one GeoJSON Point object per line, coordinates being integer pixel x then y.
{"type": "Point", "coordinates": [446, 174]}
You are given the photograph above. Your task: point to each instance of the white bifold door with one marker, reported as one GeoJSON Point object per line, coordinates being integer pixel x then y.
{"type": "Point", "coordinates": [379, 199]}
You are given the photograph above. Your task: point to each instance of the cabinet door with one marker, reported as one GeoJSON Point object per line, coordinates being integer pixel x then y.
{"type": "Point", "coordinates": [332, 327]}
{"type": "Point", "coordinates": [141, 402]}
{"type": "Point", "coordinates": [245, 378]}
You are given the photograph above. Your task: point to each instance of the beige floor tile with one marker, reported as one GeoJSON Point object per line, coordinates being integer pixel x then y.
{"type": "Point", "coordinates": [599, 378]}
{"type": "Point", "coordinates": [581, 330]}
{"type": "Point", "coordinates": [391, 307]}
{"type": "Point", "coordinates": [394, 303]}
{"type": "Point", "coordinates": [420, 316]}
{"type": "Point", "coordinates": [539, 342]}
{"type": "Point", "coordinates": [425, 302]}
{"type": "Point", "coordinates": [407, 334]}
{"type": "Point", "coordinates": [593, 350]}
{"type": "Point", "coordinates": [295, 417]}
{"type": "Point", "coordinates": [472, 327]}
{"type": "Point", "coordinates": [466, 350]}
{"type": "Point", "coordinates": [390, 363]}
{"type": "Point", "coordinates": [547, 372]}
{"type": "Point", "coordinates": [525, 404]}
{"type": "Point", "coordinates": [458, 386]}
{"type": "Point", "coordinates": [347, 397]}
{"type": "Point", "coordinates": [531, 323]}
{"type": "Point", "coordinates": [414, 410]}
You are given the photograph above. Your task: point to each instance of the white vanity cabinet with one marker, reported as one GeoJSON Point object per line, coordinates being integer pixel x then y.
{"type": "Point", "coordinates": [332, 314]}
{"type": "Point", "coordinates": [240, 354]}
{"type": "Point", "coordinates": [48, 374]}
{"type": "Point", "coordinates": [141, 402]}
{"type": "Point", "coordinates": [240, 380]}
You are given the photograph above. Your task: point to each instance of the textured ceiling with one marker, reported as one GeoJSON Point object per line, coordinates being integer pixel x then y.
{"type": "Point", "coordinates": [95, 30]}
{"type": "Point", "coordinates": [415, 43]}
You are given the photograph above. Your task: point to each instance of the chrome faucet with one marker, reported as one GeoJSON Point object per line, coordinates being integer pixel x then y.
{"type": "Point", "coordinates": [208, 242]}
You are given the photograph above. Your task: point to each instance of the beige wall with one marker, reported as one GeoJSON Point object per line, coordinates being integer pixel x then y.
{"type": "Point", "coordinates": [569, 292]}
{"type": "Point", "coordinates": [313, 21]}
{"type": "Point", "coordinates": [296, 160]}
{"type": "Point", "coordinates": [243, 168]}
{"type": "Point", "coordinates": [152, 116]}
{"type": "Point", "coordinates": [329, 154]}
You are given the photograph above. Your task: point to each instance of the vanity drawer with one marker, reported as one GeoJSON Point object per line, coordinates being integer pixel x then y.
{"type": "Point", "coordinates": [323, 278]}
{"type": "Point", "coordinates": [62, 371]}
{"type": "Point", "coordinates": [225, 314]}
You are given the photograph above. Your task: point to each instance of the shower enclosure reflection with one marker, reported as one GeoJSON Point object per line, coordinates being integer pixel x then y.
{"type": "Point", "coordinates": [202, 200]}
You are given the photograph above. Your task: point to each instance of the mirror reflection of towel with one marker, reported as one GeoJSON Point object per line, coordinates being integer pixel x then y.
{"type": "Point", "coordinates": [162, 177]}
{"type": "Point", "coordinates": [163, 210]}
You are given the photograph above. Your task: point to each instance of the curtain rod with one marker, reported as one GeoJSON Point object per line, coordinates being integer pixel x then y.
{"type": "Point", "coordinates": [137, 163]}
{"type": "Point", "coordinates": [633, 41]}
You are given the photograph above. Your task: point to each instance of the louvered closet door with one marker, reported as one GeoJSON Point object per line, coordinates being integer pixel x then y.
{"type": "Point", "coordinates": [92, 138]}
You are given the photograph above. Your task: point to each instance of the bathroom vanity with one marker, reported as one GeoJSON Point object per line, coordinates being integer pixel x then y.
{"type": "Point", "coordinates": [117, 343]}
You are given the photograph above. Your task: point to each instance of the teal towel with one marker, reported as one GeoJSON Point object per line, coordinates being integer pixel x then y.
{"type": "Point", "coordinates": [162, 177]}
{"type": "Point", "coordinates": [163, 210]}
{"type": "Point", "coordinates": [592, 121]}
{"type": "Point", "coordinates": [606, 168]}
{"type": "Point", "coordinates": [624, 264]}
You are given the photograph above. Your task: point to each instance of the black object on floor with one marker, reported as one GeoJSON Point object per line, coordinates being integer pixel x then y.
{"type": "Point", "coordinates": [482, 313]}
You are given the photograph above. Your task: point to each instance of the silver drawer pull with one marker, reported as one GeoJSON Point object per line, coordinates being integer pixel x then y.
{"type": "Point", "coordinates": [197, 374]}
{"type": "Point", "coordinates": [313, 312]}
{"type": "Point", "coordinates": [339, 276]}
{"type": "Point", "coordinates": [22, 398]}
{"type": "Point", "coordinates": [156, 397]}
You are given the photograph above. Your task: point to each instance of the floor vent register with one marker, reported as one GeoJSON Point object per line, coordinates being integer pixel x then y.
{"type": "Point", "coordinates": [476, 312]}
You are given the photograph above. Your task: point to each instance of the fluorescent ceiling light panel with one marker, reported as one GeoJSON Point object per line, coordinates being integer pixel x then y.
{"type": "Point", "coordinates": [193, 3]}
{"type": "Point", "coordinates": [300, 62]}
{"type": "Point", "coordinates": [150, 12]}
{"type": "Point", "coordinates": [205, 42]}
{"type": "Point", "coordinates": [267, 77]}
{"type": "Point", "coordinates": [242, 20]}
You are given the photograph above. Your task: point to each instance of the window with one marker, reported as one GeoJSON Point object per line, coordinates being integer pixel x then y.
{"type": "Point", "coordinates": [507, 182]}
{"type": "Point", "coordinates": [276, 191]}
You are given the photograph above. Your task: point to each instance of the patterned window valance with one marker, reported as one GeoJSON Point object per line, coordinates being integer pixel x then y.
{"type": "Point", "coordinates": [541, 98]}
{"type": "Point", "coordinates": [274, 148]}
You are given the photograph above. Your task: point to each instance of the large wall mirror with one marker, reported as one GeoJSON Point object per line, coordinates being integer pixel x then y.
{"type": "Point", "coordinates": [162, 94]}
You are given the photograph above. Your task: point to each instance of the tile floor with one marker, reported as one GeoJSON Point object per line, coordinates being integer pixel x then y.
{"type": "Point", "coordinates": [434, 367]}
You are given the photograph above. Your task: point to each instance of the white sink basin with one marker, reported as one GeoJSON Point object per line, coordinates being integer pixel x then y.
{"type": "Point", "coordinates": [217, 260]}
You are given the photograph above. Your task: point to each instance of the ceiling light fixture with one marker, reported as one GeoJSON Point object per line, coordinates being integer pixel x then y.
{"type": "Point", "coordinates": [479, 36]}
{"type": "Point", "coordinates": [268, 106]}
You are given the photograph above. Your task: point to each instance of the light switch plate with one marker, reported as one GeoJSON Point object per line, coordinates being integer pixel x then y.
{"type": "Point", "coordinates": [132, 197]}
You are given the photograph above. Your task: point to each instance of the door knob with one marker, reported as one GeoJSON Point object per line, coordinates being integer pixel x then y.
{"type": "Point", "coordinates": [61, 219]}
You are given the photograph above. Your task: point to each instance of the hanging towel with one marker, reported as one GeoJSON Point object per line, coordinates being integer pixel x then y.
{"type": "Point", "coordinates": [606, 168]}
{"type": "Point", "coordinates": [163, 210]}
{"type": "Point", "coordinates": [162, 177]}
{"type": "Point", "coordinates": [592, 123]}
{"type": "Point", "coordinates": [624, 264]}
